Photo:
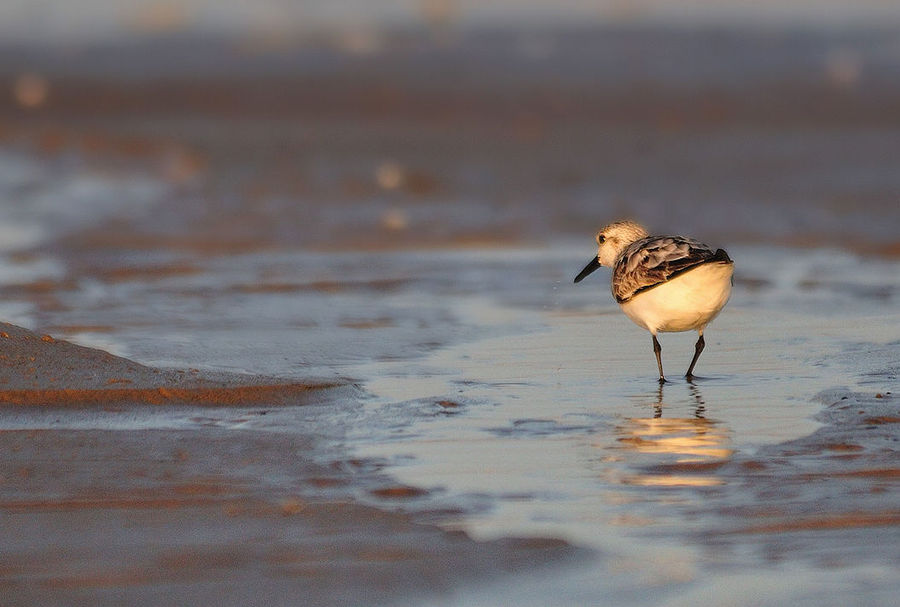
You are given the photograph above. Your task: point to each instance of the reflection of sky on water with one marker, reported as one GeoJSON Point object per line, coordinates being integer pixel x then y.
{"type": "Point", "coordinates": [563, 431]}
{"type": "Point", "coordinates": [565, 416]}
{"type": "Point", "coordinates": [41, 201]}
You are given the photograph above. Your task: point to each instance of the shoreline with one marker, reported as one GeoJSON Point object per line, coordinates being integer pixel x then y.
{"type": "Point", "coordinates": [198, 513]}
{"type": "Point", "coordinates": [41, 370]}
{"type": "Point", "coordinates": [250, 511]}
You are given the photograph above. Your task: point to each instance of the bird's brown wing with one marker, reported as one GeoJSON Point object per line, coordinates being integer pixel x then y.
{"type": "Point", "coordinates": [652, 261]}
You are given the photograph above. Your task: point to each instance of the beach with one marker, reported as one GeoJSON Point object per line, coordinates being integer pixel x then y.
{"type": "Point", "coordinates": [297, 323]}
{"type": "Point", "coordinates": [120, 498]}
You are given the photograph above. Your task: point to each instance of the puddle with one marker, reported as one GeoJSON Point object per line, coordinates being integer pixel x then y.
{"type": "Point", "coordinates": [563, 431]}
{"type": "Point", "coordinates": [569, 415]}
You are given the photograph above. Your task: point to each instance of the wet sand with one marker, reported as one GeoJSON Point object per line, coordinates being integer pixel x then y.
{"type": "Point", "coordinates": [203, 515]}
{"type": "Point", "coordinates": [41, 371]}
{"type": "Point", "coordinates": [96, 513]}
{"type": "Point", "coordinates": [841, 477]}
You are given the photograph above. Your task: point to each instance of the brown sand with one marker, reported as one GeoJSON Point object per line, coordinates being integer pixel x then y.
{"type": "Point", "coordinates": [203, 515]}
{"type": "Point", "coordinates": [840, 478]}
{"type": "Point", "coordinates": [39, 370]}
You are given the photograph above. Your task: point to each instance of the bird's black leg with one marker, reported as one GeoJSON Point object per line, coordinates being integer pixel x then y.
{"type": "Point", "coordinates": [698, 348]}
{"type": "Point", "coordinates": [657, 349]}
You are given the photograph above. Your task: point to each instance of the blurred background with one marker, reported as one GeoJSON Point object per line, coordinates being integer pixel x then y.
{"type": "Point", "coordinates": [358, 124]}
{"type": "Point", "coordinates": [372, 189]}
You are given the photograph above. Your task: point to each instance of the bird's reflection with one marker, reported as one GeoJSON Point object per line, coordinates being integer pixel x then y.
{"type": "Point", "coordinates": [675, 451]}
{"type": "Point", "coordinates": [700, 409]}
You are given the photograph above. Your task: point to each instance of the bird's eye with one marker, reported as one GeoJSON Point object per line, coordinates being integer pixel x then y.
{"type": "Point", "coordinates": [601, 239]}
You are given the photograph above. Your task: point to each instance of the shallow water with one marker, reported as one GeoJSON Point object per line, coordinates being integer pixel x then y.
{"type": "Point", "coordinates": [561, 429]}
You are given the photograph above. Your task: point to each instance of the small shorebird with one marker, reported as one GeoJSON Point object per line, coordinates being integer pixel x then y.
{"type": "Point", "coordinates": [663, 283]}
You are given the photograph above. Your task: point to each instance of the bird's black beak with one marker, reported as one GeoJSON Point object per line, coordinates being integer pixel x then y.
{"type": "Point", "coordinates": [592, 265]}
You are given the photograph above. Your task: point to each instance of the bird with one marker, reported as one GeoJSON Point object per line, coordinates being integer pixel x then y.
{"type": "Point", "coordinates": [663, 283]}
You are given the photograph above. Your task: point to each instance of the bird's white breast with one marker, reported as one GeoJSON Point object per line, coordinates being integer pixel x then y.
{"type": "Point", "coordinates": [688, 301]}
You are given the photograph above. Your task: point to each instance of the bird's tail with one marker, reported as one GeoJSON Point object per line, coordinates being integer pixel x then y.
{"type": "Point", "coordinates": [721, 256]}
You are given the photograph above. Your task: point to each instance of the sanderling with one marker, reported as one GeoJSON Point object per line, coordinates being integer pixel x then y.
{"type": "Point", "coordinates": [663, 283]}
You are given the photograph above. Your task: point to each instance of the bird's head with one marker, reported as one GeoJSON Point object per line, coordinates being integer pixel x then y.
{"type": "Point", "coordinates": [611, 241]}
